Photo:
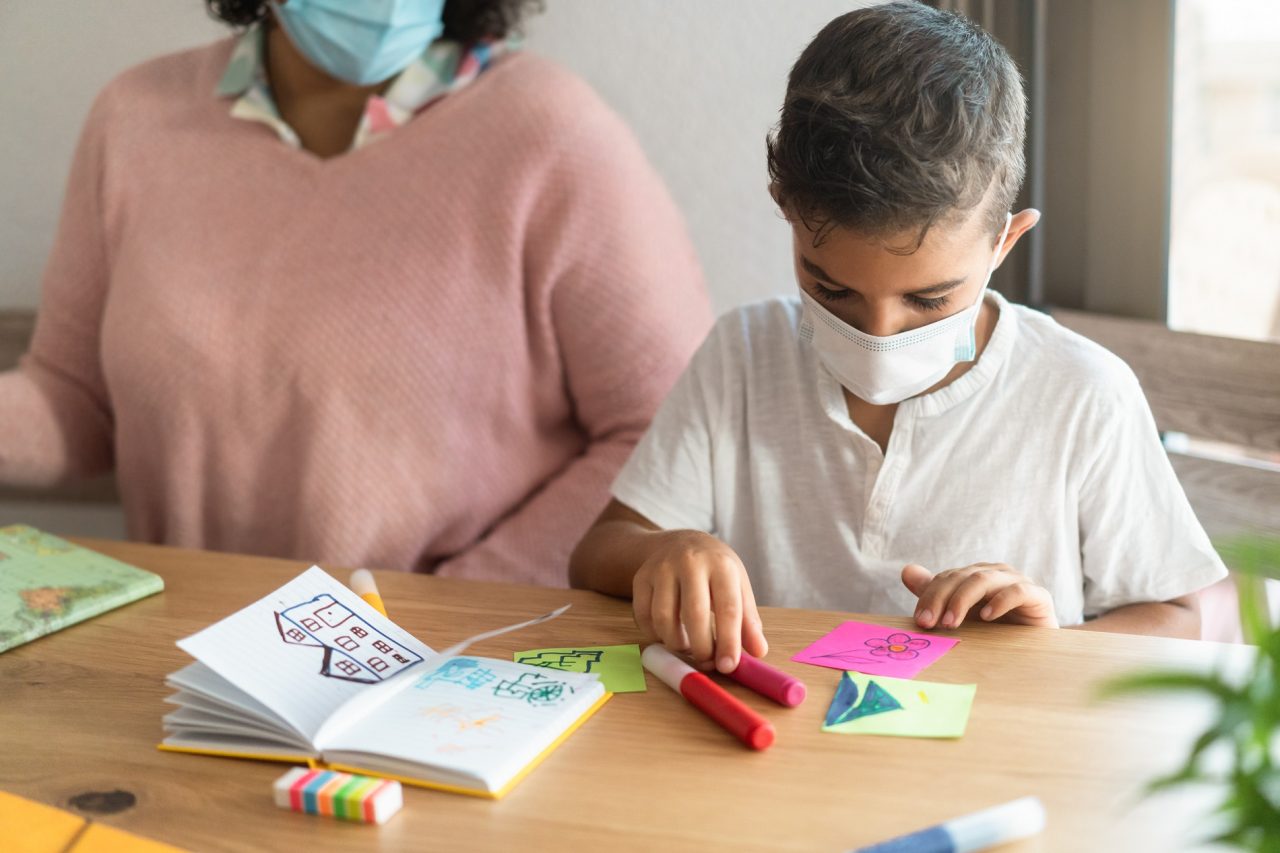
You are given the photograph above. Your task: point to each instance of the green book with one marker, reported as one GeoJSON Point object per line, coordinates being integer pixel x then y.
{"type": "Point", "coordinates": [47, 584]}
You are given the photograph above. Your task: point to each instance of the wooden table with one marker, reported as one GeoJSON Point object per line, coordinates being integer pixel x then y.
{"type": "Point", "coordinates": [80, 711]}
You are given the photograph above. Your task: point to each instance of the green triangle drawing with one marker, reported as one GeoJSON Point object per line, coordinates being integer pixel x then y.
{"type": "Point", "coordinates": [875, 700]}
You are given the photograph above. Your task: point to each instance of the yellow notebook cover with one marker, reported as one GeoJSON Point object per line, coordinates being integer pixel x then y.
{"type": "Point", "coordinates": [421, 783]}
{"type": "Point", "coordinates": [312, 670]}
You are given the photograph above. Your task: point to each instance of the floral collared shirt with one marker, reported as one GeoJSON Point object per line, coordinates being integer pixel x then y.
{"type": "Point", "coordinates": [444, 67]}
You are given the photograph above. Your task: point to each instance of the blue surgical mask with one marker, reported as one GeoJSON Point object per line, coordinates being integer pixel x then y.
{"type": "Point", "coordinates": [361, 41]}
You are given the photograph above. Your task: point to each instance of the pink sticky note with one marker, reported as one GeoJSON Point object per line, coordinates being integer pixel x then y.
{"type": "Point", "coordinates": [876, 650]}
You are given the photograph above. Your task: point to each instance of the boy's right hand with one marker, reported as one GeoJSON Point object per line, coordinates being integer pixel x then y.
{"type": "Point", "coordinates": [693, 595]}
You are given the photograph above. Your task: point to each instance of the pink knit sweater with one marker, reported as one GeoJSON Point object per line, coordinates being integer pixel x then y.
{"type": "Point", "coordinates": [432, 353]}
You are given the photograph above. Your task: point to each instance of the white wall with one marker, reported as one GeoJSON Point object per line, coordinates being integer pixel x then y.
{"type": "Point", "coordinates": [701, 83]}
{"type": "Point", "coordinates": [54, 57]}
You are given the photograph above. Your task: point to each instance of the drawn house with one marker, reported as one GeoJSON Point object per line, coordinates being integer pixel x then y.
{"type": "Point", "coordinates": [353, 650]}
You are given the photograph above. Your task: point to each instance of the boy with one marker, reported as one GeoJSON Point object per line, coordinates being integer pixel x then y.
{"type": "Point", "coordinates": [897, 412]}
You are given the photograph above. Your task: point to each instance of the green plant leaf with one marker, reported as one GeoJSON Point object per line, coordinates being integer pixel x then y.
{"type": "Point", "coordinates": [1251, 554]}
{"type": "Point", "coordinates": [1166, 682]}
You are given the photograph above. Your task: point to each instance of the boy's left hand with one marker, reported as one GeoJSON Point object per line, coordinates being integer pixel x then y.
{"type": "Point", "coordinates": [993, 592]}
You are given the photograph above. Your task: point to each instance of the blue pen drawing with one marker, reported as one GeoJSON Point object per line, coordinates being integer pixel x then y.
{"type": "Point", "coordinates": [466, 672]}
{"type": "Point", "coordinates": [845, 707]}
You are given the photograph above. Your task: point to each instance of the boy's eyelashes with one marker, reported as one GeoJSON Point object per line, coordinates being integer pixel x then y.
{"type": "Point", "coordinates": [828, 293]}
{"type": "Point", "coordinates": [923, 303]}
{"type": "Point", "coordinates": [936, 303]}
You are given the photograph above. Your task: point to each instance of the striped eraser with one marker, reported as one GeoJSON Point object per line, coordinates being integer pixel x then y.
{"type": "Point", "coordinates": [360, 798]}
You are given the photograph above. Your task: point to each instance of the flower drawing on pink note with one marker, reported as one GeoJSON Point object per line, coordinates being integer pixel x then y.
{"type": "Point", "coordinates": [898, 646]}
{"type": "Point", "coordinates": [876, 650]}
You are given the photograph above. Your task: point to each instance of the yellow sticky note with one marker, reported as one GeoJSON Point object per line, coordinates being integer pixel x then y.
{"type": "Point", "coordinates": [27, 826]}
{"type": "Point", "coordinates": [100, 838]}
{"type": "Point", "coordinates": [30, 827]}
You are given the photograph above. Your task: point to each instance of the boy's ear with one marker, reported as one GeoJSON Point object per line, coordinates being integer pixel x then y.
{"type": "Point", "coordinates": [1022, 222]}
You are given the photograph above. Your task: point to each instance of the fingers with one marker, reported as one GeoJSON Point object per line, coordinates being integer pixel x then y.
{"type": "Point", "coordinates": [916, 578]}
{"type": "Point", "coordinates": [753, 639]}
{"type": "Point", "coordinates": [695, 616]}
{"type": "Point", "coordinates": [979, 586]}
{"type": "Point", "coordinates": [726, 598]}
{"type": "Point", "coordinates": [666, 612]}
{"type": "Point", "coordinates": [695, 598]}
{"type": "Point", "coordinates": [991, 590]}
{"type": "Point", "coordinates": [1002, 602]}
{"type": "Point", "coordinates": [1028, 603]}
{"type": "Point", "coordinates": [642, 608]}
{"type": "Point", "coordinates": [932, 606]}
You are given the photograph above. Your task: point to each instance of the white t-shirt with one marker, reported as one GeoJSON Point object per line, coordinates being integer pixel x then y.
{"type": "Point", "coordinates": [1044, 456]}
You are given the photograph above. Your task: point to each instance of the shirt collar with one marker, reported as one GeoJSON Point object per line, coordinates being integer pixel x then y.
{"type": "Point", "coordinates": [246, 80]}
{"type": "Point", "coordinates": [444, 67]}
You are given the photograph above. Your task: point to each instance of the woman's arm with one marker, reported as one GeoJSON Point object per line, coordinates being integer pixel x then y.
{"type": "Point", "coordinates": [55, 421]}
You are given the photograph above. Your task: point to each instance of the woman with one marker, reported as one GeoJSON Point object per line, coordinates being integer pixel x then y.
{"type": "Point", "coordinates": [363, 285]}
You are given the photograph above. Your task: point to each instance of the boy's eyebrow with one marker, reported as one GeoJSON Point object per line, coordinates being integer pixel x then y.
{"type": "Point", "coordinates": [932, 290]}
{"type": "Point", "coordinates": [939, 288]}
{"type": "Point", "coordinates": [818, 272]}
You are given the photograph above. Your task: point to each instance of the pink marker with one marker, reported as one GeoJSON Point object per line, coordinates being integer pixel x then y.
{"type": "Point", "coordinates": [769, 681]}
{"type": "Point", "coordinates": [710, 698]}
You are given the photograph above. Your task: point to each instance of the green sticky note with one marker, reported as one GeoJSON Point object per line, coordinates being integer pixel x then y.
{"type": "Point", "coordinates": [618, 666]}
{"type": "Point", "coordinates": [879, 705]}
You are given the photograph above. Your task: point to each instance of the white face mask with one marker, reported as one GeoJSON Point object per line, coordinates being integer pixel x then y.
{"type": "Point", "coordinates": [883, 370]}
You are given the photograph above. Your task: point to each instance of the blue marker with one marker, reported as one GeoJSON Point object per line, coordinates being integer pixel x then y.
{"type": "Point", "coordinates": [978, 831]}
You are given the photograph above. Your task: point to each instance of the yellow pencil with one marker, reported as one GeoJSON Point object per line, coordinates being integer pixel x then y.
{"type": "Point", "coordinates": [363, 584]}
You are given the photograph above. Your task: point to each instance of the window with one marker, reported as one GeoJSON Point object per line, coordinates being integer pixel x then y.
{"type": "Point", "coordinates": [1224, 241]}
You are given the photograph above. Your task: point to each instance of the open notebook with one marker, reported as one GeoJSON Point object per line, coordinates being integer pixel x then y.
{"type": "Point", "coordinates": [312, 673]}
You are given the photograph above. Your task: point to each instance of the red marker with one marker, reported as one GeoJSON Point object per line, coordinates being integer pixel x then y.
{"type": "Point", "coordinates": [768, 681]}
{"type": "Point", "coordinates": [707, 696]}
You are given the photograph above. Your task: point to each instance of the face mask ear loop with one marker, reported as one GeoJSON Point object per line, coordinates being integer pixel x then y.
{"type": "Point", "coordinates": [972, 346]}
{"type": "Point", "coordinates": [1004, 235]}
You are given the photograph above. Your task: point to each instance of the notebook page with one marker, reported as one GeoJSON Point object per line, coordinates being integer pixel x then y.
{"type": "Point", "coordinates": [355, 709]}
{"type": "Point", "coordinates": [306, 648]}
{"type": "Point", "coordinates": [480, 717]}
{"type": "Point", "coordinates": [190, 720]}
{"type": "Point", "coordinates": [195, 679]}
{"type": "Point", "coordinates": [185, 699]}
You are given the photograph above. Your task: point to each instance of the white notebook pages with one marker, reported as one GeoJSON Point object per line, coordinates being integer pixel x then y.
{"type": "Point", "coordinates": [313, 672]}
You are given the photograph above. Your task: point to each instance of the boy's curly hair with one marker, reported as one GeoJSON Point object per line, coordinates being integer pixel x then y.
{"type": "Point", "coordinates": [467, 21]}
{"type": "Point", "coordinates": [898, 117]}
